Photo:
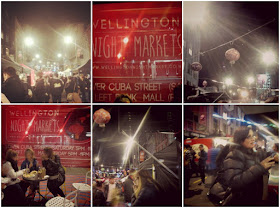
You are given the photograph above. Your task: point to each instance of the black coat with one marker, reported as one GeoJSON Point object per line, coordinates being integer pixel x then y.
{"type": "Point", "coordinates": [243, 172]}
{"type": "Point", "coordinates": [149, 196]}
{"type": "Point", "coordinates": [128, 189]}
{"type": "Point", "coordinates": [53, 167]}
{"type": "Point", "coordinates": [202, 159]}
{"type": "Point", "coordinates": [98, 198]}
{"type": "Point", "coordinates": [14, 90]}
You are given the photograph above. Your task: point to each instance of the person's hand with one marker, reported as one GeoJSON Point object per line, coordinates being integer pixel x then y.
{"type": "Point", "coordinates": [276, 158]}
{"type": "Point", "coordinates": [268, 162]}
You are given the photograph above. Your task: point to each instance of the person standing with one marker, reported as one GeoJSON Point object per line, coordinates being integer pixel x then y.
{"type": "Point", "coordinates": [56, 89]}
{"type": "Point", "coordinates": [128, 187]}
{"type": "Point", "coordinates": [110, 190]}
{"type": "Point", "coordinates": [40, 91]}
{"type": "Point", "coordinates": [12, 86]}
{"type": "Point", "coordinates": [188, 168]}
{"type": "Point", "coordinates": [202, 157]}
{"type": "Point", "coordinates": [55, 170]}
{"type": "Point", "coordinates": [243, 170]}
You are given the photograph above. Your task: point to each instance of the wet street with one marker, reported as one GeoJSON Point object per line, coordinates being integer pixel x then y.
{"type": "Point", "coordinates": [198, 193]}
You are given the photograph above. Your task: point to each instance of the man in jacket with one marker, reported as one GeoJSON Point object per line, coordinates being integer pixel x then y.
{"type": "Point", "coordinates": [202, 157]}
{"type": "Point", "coordinates": [56, 89]}
{"type": "Point", "coordinates": [188, 168]}
{"type": "Point", "coordinates": [128, 187]}
{"type": "Point", "coordinates": [12, 87]}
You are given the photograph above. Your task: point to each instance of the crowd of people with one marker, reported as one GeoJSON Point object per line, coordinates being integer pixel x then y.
{"type": "Point", "coordinates": [14, 189]}
{"type": "Point", "coordinates": [134, 188]}
{"type": "Point", "coordinates": [240, 171]}
{"type": "Point", "coordinates": [49, 88]}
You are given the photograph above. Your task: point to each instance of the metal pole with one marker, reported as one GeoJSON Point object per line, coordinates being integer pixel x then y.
{"type": "Point", "coordinates": [151, 155]}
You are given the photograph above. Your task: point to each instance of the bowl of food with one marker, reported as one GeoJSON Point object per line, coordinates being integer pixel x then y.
{"type": "Point", "coordinates": [31, 176]}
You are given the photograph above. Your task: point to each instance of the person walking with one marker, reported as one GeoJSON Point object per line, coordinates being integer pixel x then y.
{"type": "Point", "coordinates": [202, 158]}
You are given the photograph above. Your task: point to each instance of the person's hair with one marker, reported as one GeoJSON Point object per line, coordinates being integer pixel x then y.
{"type": "Point", "coordinates": [144, 178]}
{"type": "Point", "coordinates": [29, 150]}
{"type": "Point", "coordinates": [201, 145]}
{"type": "Point", "coordinates": [188, 146]}
{"type": "Point", "coordinates": [56, 74]}
{"type": "Point", "coordinates": [10, 71]}
{"type": "Point", "coordinates": [49, 152]}
{"type": "Point", "coordinates": [111, 177]}
{"type": "Point", "coordinates": [123, 99]}
{"type": "Point", "coordinates": [10, 154]}
{"type": "Point", "coordinates": [241, 134]}
{"type": "Point", "coordinates": [40, 74]}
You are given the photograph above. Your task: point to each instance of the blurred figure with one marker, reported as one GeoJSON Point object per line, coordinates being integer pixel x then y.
{"type": "Point", "coordinates": [243, 170]}
{"type": "Point", "coordinates": [109, 190]}
{"type": "Point", "coordinates": [128, 187]}
{"type": "Point", "coordinates": [188, 168]}
{"type": "Point", "coordinates": [202, 157]}
{"type": "Point", "coordinates": [56, 88]}
{"type": "Point", "coordinates": [98, 194]}
{"type": "Point", "coordinates": [12, 87]}
{"type": "Point", "coordinates": [147, 192]}
{"type": "Point", "coordinates": [41, 89]}
{"type": "Point", "coordinates": [193, 164]}
{"type": "Point", "coordinates": [84, 87]}
{"type": "Point", "coordinates": [55, 170]}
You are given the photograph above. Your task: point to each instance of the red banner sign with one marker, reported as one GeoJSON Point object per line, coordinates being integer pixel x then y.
{"type": "Point", "coordinates": [137, 51]}
{"type": "Point", "coordinates": [64, 128]}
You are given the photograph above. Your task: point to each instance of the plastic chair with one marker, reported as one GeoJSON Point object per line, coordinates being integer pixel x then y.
{"type": "Point", "coordinates": [63, 202]}
{"type": "Point", "coordinates": [83, 187]}
{"type": "Point", "coordinates": [63, 185]}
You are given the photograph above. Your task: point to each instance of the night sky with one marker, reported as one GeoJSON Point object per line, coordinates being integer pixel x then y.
{"type": "Point", "coordinates": [42, 20]}
{"type": "Point", "coordinates": [225, 21]}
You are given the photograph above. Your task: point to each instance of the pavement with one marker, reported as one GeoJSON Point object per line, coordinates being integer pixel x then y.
{"type": "Point", "coordinates": [197, 193]}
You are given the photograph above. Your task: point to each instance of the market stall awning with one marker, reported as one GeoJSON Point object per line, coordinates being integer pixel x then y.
{"type": "Point", "coordinates": [6, 61]}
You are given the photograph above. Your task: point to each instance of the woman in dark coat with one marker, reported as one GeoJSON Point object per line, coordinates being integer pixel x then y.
{"type": "Point", "coordinates": [55, 170]}
{"type": "Point", "coordinates": [147, 191]}
{"type": "Point", "coordinates": [243, 170]}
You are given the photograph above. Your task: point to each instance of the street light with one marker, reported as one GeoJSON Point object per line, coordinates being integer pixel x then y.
{"type": "Point", "coordinates": [37, 56]}
{"type": "Point", "coordinates": [268, 57]}
{"type": "Point", "coordinates": [28, 41]}
{"type": "Point", "coordinates": [250, 80]}
{"type": "Point", "coordinates": [102, 165]}
{"type": "Point", "coordinates": [68, 39]}
{"type": "Point", "coordinates": [59, 55]}
{"type": "Point", "coordinates": [40, 61]}
{"type": "Point", "coordinates": [228, 81]}
{"type": "Point", "coordinates": [96, 159]}
{"type": "Point", "coordinates": [244, 94]}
